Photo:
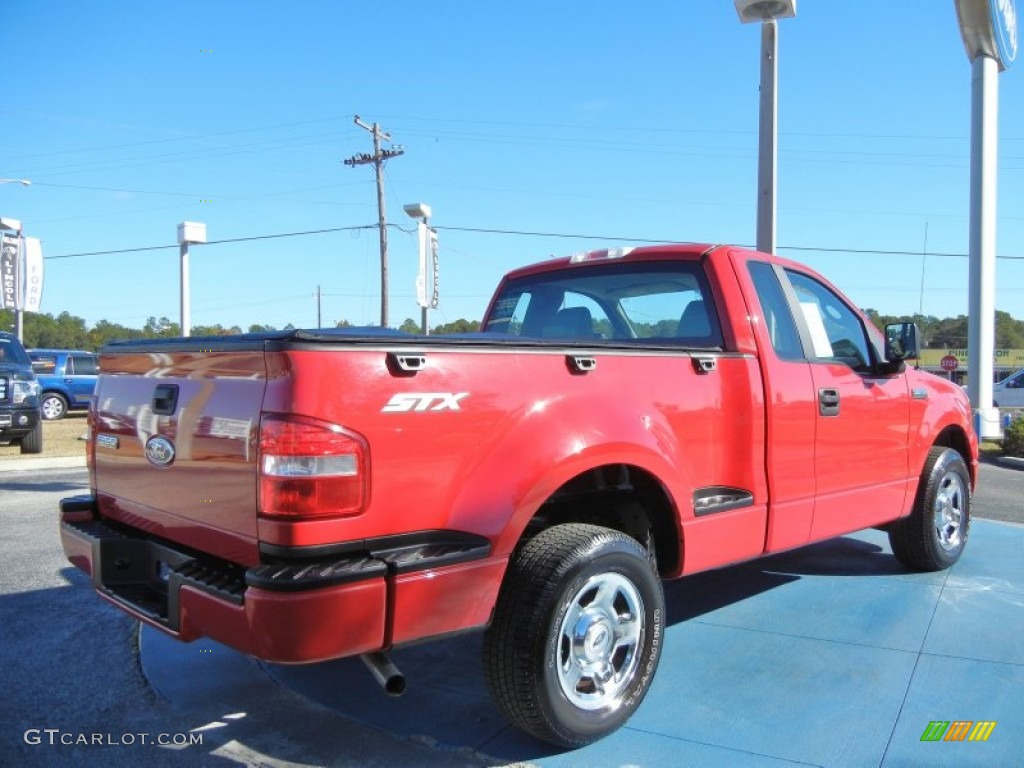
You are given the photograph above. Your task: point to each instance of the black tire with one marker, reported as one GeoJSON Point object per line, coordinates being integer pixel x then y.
{"type": "Point", "coordinates": [563, 660]}
{"type": "Point", "coordinates": [53, 406]}
{"type": "Point", "coordinates": [33, 441]}
{"type": "Point", "coordinates": [934, 535]}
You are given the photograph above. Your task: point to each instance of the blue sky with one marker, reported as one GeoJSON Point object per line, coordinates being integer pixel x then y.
{"type": "Point", "coordinates": [635, 121]}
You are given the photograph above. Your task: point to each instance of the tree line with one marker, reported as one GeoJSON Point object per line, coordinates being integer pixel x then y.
{"type": "Point", "coordinates": [951, 332]}
{"type": "Point", "coordinates": [67, 331]}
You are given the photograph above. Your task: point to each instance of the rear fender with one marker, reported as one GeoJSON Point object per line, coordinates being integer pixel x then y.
{"type": "Point", "coordinates": [512, 476]}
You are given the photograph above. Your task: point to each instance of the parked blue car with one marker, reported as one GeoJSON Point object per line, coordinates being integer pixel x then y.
{"type": "Point", "coordinates": [67, 378]}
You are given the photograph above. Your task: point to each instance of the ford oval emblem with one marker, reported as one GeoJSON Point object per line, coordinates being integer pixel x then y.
{"type": "Point", "coordinates": [160, 451]}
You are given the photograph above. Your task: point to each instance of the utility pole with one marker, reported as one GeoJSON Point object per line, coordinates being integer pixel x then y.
{"type": "Point", "coordinates": [317, 294]}
{"type": "Point", "coordinates": [377, 159]}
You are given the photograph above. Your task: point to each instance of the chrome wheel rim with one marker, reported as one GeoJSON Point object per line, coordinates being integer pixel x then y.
{"type": "Point", "coordinates": [52, 408]}
{"type": "Point", "coordinates": [599, 642]}
{"type": "Point", "coordinates": [950, 511]}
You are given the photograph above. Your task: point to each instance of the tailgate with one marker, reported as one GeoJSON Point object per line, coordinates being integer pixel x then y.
{"type": "Point", "coordinates": [175, 445]}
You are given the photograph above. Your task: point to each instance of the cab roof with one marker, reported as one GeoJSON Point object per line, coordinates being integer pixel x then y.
{"type": "Point", "coordinates": [676, 251]}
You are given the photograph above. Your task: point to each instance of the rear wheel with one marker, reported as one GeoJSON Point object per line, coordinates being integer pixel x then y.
{"type": "Point", "coordinates": [53, 406]}
{"type": "Point", "coordinates": [576, 635]}
{"type": "Point", "coordinates": [33, 441]}
{"type": "Point", "coordinates": [934, 535]}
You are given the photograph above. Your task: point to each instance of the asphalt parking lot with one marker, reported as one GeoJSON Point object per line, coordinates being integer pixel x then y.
{"type": "Point", "coordinates": [832, 655]}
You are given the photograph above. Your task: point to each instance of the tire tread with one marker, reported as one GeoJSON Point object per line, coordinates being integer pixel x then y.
{"type": "Point", "coordinates": [518, 630]}
{"type": "Point", "coordinates": [911, 538]}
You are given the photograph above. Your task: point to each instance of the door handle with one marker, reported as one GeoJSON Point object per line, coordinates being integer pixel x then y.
{"type": "Point", "coordinates": [703, 365]}
{"type": "Point", "coordinates": [581, 363]}
{"type": "Point", "coordinates": [828, 402]}
{"type": "Point", "coordinates": [165, 399]}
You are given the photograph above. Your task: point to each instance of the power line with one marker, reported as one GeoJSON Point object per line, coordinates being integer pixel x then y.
{"type": "Point", "coordinates": [216, 242]}
{"type": "Point", "coordinates": [530, 233]}
{"type": "Point", "coordinates": [821, 249]}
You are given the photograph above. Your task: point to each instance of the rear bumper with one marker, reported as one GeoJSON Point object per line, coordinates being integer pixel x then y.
{"type": "Point", "coordinates": [291, 610]}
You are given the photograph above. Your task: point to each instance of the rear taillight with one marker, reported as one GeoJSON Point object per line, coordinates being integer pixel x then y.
{"type": "Point", "coordinates": [310, 468]}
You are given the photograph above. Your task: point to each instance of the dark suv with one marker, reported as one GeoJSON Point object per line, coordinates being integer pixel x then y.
{"type": "Point", "coordinates": [20, 421]}
{"type": "Point", "coordinates": [67, 378]}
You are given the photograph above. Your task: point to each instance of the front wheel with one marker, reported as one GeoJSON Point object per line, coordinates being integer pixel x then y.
{"type": "Point", "coordinates": [934, 535]}
{"type": "Point", "coordinates": [33, 441]}
{"type": "Point", "coordinates": [576, 635]}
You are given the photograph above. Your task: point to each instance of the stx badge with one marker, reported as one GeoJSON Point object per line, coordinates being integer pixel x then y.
{"type": "Point", "coordinates": [424, 401]}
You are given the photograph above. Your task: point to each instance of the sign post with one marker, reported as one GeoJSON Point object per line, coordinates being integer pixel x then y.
{"type": "Point", "coordinates": [989, 32]}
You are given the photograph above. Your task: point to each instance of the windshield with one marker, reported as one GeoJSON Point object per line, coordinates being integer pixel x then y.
{"type": "Point", "coordinates": [12, 352]}
{"type": "Point", "coordinates": [658, 302]}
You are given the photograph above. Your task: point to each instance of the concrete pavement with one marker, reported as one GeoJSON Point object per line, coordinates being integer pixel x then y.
{"type": "Point", "coordinates": [833, 655]}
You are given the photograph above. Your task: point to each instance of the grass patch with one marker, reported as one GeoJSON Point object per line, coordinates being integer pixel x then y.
{"type": "Point", "coordinates": [60, 438]}
{"type": "Point", "coordinates": [990, 448]}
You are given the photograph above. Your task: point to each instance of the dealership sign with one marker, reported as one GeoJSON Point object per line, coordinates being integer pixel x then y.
{"type": "Point", "coordinates": [10, 273]}
{"type": "Point", "coordinates": [950, 360]}
{"type": "Point", "coordinates": [21, 272]}
{"type": "Point", "coordinates": [989, 28]}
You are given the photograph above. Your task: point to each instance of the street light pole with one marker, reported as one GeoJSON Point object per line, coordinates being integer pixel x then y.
{"type": "Point", "coordinates": [767, 138]}
{"type": "Point", "coordinates": [767, 12]}
{"type": "Point", "coordinates": [188, 232]}
{"type": "Point", "coordinates": [989, 32]}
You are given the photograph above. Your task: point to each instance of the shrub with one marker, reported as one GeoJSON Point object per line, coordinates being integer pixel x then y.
{"type": "Point", "coordinates": [1013, 438]}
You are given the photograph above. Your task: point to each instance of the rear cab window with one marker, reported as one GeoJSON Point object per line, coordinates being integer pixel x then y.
{"type": "Point", "coordinates": [656, 303]}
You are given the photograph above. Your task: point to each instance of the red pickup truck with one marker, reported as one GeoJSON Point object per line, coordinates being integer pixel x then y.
{"type": "Point", "coordinates": [623, 417]}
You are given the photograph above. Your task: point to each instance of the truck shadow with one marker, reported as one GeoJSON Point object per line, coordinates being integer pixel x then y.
{"type": "Point", "coordinates": [56, 486]}
{"type": "Point", "coordinates": [447, 704]}
{"type": "Point", "coordinates": [447, 701]}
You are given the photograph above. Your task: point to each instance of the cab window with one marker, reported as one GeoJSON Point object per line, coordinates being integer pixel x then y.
{"type": "Point", "coordinates": [836, 332]}
{"type": "Point", "coordinates": [663, 303]}
{"type": "Point", "coordinates": [778, 318]}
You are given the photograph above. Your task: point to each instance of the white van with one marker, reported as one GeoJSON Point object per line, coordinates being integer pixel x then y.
{"type": "Point", "coordinates": [1009, 393]}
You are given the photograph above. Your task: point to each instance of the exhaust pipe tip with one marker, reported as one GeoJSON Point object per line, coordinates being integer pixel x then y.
{"type": "Point", "coordinates": [385, 673]}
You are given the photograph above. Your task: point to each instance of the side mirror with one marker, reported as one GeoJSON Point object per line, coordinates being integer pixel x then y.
{"type": "Point", "coordinates": [902, 342]}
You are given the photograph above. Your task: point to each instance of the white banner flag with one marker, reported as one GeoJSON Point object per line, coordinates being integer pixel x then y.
{"type": "Point", "coordinates": [421, 276]}
{"type": "Point", "coordinates": [10, 282]}
{"type": "Point", "coordinates": [33, 253]}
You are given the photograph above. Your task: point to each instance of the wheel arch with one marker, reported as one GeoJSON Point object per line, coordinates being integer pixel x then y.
{"type": "Point", "coordinates": [953, 436]}
{"type": "Point", "coordinates": [621, 496]}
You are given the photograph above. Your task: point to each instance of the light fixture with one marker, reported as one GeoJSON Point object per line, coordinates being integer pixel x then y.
{"type": "Point", "coordinates": [765, 10]}
{"type": "Point", "coordinates": [417, 210]}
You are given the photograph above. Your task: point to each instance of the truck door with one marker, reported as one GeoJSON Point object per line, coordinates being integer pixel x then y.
{"type": "Point", "coordinates": [791, 413]}
{"type": "Point", "coordinates": [861, 456]}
